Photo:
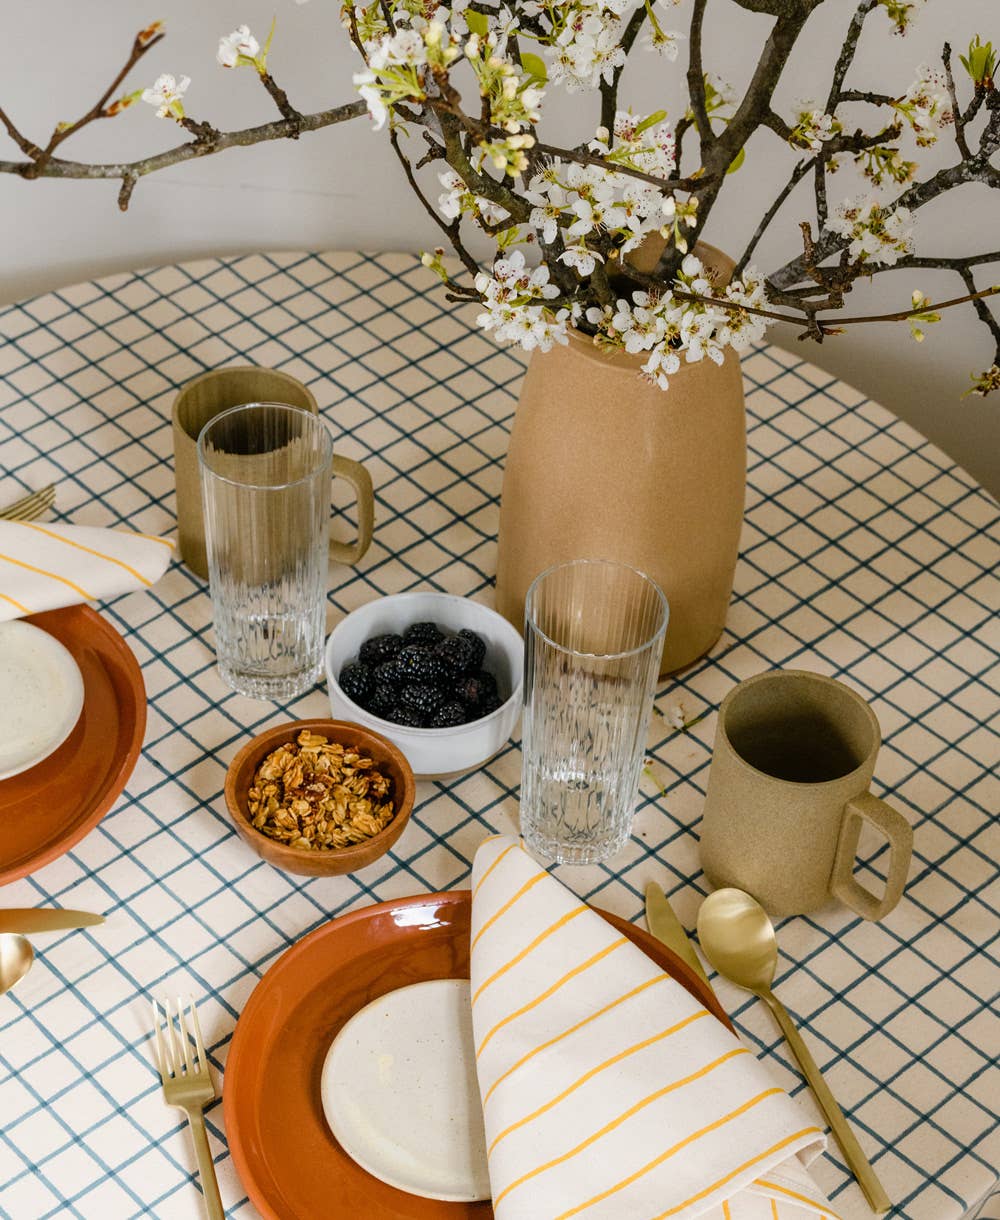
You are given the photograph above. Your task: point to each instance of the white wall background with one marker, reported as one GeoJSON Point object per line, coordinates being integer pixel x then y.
{"type": "Point", "coordinates": [342, 187]}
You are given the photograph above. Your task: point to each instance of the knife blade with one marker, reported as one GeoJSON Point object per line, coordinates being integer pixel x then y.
{"type": "Point", "coordinates": [664, 925]}
{"type": "Point", "coordinates": [45, 919]}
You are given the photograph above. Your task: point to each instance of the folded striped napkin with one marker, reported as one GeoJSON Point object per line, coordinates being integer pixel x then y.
{"type": "Point", "coordinates": [43, 567]}
{"type": "Point", "coordinates": [608, 1091]}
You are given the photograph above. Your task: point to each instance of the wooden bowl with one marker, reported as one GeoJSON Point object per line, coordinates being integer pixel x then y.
{"type": "Point", "coordinates": [339, 859]}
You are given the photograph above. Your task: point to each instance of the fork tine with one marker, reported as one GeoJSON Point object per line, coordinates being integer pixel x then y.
{"type": "Point", "coordinates": [175, 1050]}
{"type": "Point", "coordinates": [202, 1057]}
{"type": "Point", "coordinates": [160, 1050]}
{"type": "Point", "coordinates": [185, 1037]}
{"type": "Point", "coordinates": [31, 505]}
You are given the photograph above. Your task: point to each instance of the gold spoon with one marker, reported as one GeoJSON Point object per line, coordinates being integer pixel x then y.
{"type": "Point", "coordinates": [738, 939]}
{"type": "Point", "coordinates": [16, 956]}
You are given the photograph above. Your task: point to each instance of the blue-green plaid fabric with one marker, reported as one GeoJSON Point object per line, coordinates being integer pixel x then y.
{"type": "Point", "coordinates": [866, 555]}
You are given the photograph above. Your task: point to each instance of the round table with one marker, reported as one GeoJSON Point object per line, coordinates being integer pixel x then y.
{"type": "Point", "coordinates": [866, 555]}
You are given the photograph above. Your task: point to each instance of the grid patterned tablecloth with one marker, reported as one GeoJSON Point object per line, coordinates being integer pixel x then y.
{"type": "Point", "coordinates": [866, 555]}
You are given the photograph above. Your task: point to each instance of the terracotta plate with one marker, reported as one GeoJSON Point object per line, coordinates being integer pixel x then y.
{"type": "Point", "coordinates": [289, 1162]}
{"type": "Point", "coordinates": [46, 810]}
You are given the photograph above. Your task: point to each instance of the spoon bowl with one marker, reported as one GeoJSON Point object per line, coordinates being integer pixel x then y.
{"type": "Point", "coordinates": [738, 938]}
{"type": "Point", "coordinates": [16, 956]}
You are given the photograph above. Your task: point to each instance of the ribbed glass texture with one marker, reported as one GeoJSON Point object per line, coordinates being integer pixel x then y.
{"type": "Point", "coordinates": [265, 479]}
{"type": "Point", "coordinates": [593, 638]}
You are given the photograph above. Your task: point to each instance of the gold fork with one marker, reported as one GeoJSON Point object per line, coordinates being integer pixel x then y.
{"type": "Point", "coordinates": [31, 506]}
{"type": "Point", "coordinates": [188, 1086]}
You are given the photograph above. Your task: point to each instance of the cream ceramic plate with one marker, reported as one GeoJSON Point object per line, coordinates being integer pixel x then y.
{"type": "Point", "coordinates": [41, 696]}
{"type": "Point", "coordinates": [400, 1092]}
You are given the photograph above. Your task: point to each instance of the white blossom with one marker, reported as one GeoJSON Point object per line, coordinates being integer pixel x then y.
{"type": "Point", "coordinates": [582, 258]}
{"type": "Point", "coordinates": [926, 106]}
{"type": "Point", "coordinates": [404, 47]}
{"type": "Point", "coordinates": [813, 128]}
{"type": "Point", "coordinates": [239, 43]}
{"type": "Point", "coordinates": [876, 235]}
{"type": "Point", "coordinates": [366, 83]}
{"type": "Point", "coordinates": [589, 48]}
{"type": "Point", "coordinates": [457, 199]}
{"type": "Point", "coordinates": [664, 42]}
{"type": "Point", "coordinates": [166, 94]}
{"type": "Point", "coordinates": [515, 312]}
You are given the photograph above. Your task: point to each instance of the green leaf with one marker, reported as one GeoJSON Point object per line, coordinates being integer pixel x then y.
{"type": "Point", "coordinates": [535, 67]}
{"type": "Point", "coordinates": [656, 117]}
{"type": "Point", "coordinates": [478, 23]}
{"type": "Point", "coordinates": [737, 161]}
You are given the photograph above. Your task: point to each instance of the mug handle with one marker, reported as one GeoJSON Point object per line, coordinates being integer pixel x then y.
{"type": "Point", "coordinates": [899, 832]}
{"type": "Point", "coordinates": [361, 480]}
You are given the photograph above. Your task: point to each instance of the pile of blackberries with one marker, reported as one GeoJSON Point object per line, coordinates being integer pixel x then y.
{"type": "Point", "coordinates": [425, 678]}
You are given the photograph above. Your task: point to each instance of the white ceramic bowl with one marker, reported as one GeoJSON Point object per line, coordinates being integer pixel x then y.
{"type": "Point", "coordinates": [433, 752]}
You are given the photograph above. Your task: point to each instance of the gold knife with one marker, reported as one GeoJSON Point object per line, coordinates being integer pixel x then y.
{"type": "Point", "coordinates": [664, 924]}
{"type": "Point", "coordinates": [45, 919]}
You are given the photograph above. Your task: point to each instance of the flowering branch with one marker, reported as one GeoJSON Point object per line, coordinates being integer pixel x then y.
{"type": "Point", "coordinates": [615, 217]}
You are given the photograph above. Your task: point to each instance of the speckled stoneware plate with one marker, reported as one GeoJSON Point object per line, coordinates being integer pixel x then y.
{"type": "Point", "coordinates": [42, 695]}
{"type": "Point", "coordinates": [401, 1095]}
{"type": "Point", "coordinates": [285, 1153]}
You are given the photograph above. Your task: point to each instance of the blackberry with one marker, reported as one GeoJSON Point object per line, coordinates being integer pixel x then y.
{"type": "Point", "coordinates": [448, 715]}
{"type": "Point", "coordinates": [407, 716]}
{"type": "Point", "coordinates": [379, 648]}
{"type": "Point", "coordinates": [474, 689]}
{"type": "Point", "coordinates": [388, 673]}
{"type": "Point", "coordinates": [423, 635]}
{"type": "Point", "coordinates": [384, 697]}
{"type": "Point", "coordinates": [489, 704]}
{"type": "Point", "coordinates": [420, 698]}
{"type": "Point", "coordinates": [416, 664]}
{"type": "Point", "coordinates": [356, 681]}
{"type": "Point", "coordinates": [459, 653]}
{"type": "Point", "coordinates": [478, 647]}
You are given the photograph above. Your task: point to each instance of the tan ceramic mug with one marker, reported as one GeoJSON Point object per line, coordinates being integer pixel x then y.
{"type": "Point", "coordinates": [788, 796]}
{"type": "Point", "coordinates": [216, 391]}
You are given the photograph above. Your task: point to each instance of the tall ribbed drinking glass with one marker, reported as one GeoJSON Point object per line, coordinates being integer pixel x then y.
{"type": "Point", "coordinates": [265, 478]}
{"type": "Point", "coordinates": [593, 638]}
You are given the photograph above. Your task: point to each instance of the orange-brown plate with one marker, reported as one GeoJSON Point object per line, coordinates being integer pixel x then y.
{"type": "Point", "coordinates": [286, 1156]}
{"type": "Point", "coordinates": [46, 810]}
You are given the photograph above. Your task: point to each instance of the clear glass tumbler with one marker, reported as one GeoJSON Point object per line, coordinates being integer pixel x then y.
{"type": "Point", "coordinates": [593, 638]}
{"type": "Point", "coordinates": [265, 480]}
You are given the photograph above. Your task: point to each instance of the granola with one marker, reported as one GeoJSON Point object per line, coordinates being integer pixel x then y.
{"type": "Point", "coordinates": [319, 795]}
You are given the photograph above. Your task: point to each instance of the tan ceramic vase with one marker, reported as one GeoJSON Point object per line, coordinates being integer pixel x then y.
{"type": "Point", "coordinates": [603, 465]}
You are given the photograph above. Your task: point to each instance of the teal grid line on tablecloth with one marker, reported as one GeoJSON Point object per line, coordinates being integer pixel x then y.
{"type": "Point", "coordinates": [865, 555]}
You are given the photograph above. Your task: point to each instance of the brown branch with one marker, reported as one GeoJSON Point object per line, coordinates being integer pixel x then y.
{"type": "Point", "coordinates": [798, 174]}
{"type": "Point", "coordinates": [280, 98]}
{"type": "Point", "coordinates": [826, 324]}
{"type": "Point", "coordinates": [847, 53]}
{"type": "Point", "coordinates": [690, 185]}
{"type": "Point", "coordinates": [23, 143]}
{"type": "Point", "coordinates": [865, 95]}
{"type": "Point", "coordinates": [144, 41]}
{"type": "Point", "coordinates": [609, 92]}
{"type": "Point", "coordinates": [983, 312]}
{"type": "Point", "coordinates": [453, 230]}
{"type": "Point", "coordinates": [960, 140]}
{"type": "Point", "coordinates": [696, 78]}
{"type": "Point", "coordinates": [278, 130]}
{"type": "Point", "coordinates": [944, 263]}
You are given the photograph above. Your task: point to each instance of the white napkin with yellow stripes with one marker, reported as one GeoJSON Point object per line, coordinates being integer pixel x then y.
{"type": "Point", "coordinates": [608, 1091]}
{"type": "Point", "coordinates": [43, 567]}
